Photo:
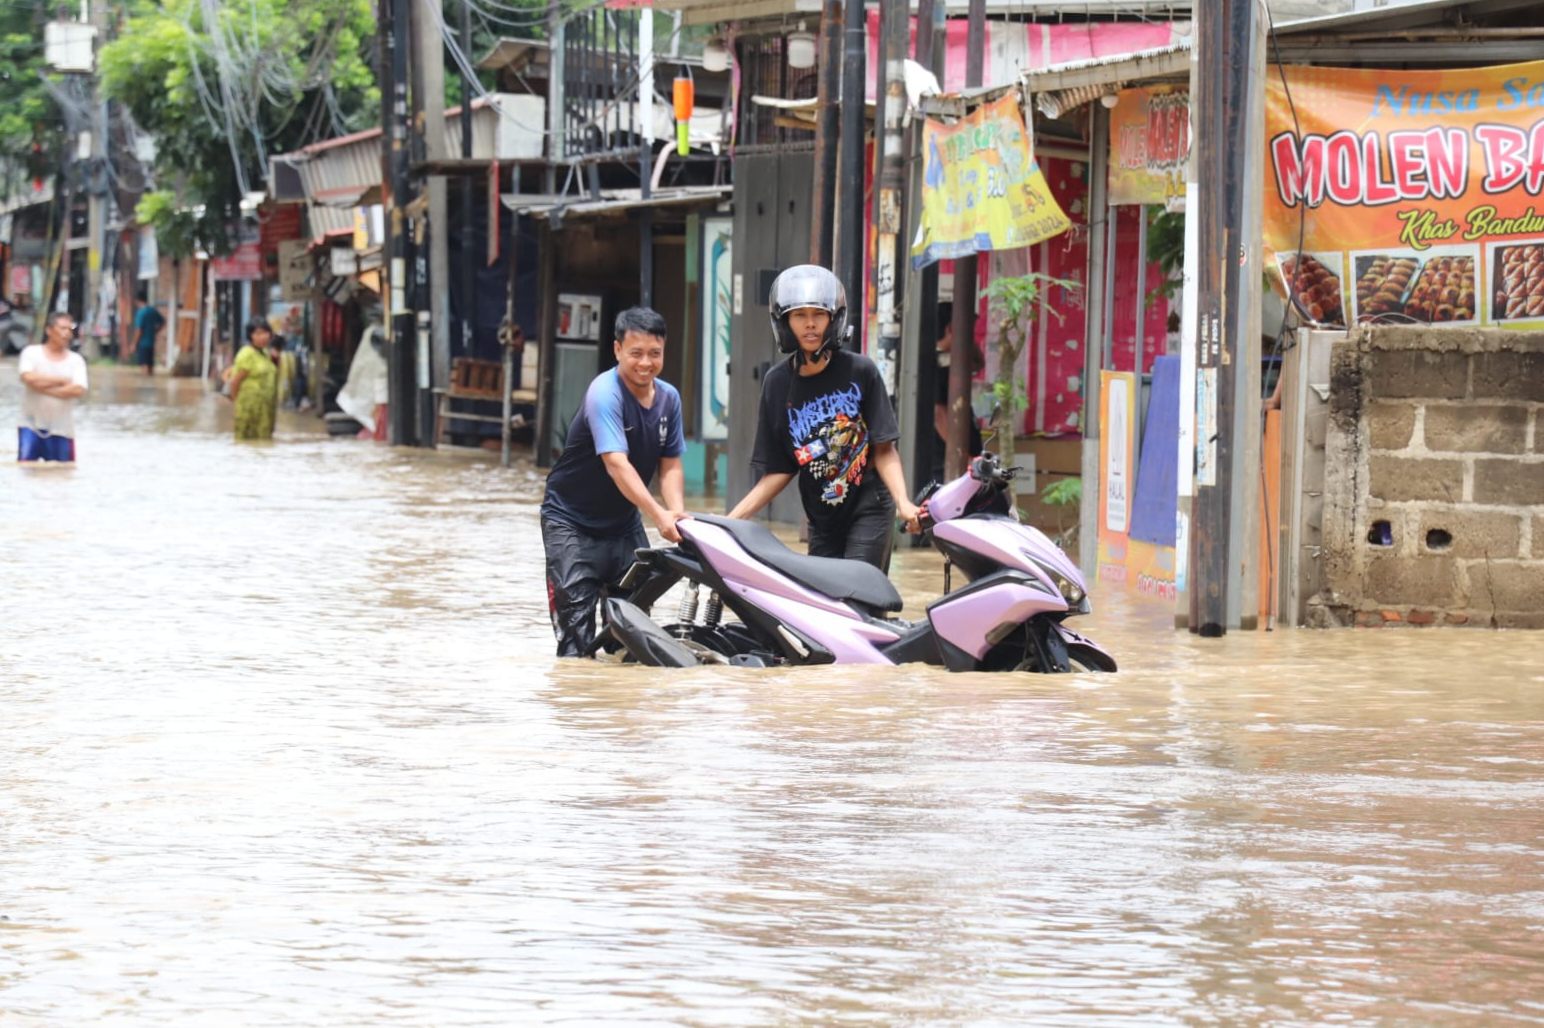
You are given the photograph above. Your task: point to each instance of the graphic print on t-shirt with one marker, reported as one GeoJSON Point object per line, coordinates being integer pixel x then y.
{"type": "Point", "coordinates": [830, 441]}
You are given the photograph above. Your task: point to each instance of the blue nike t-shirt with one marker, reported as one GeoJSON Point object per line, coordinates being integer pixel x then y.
{"type": "Point", "coordinates": [579, 491]}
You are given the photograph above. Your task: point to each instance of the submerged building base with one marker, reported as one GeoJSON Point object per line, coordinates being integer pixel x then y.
{"type": "Point", "coordinates": [1434, 480]}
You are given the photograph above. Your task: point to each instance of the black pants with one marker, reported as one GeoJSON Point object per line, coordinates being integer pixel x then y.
{"type": "Point", "coordinates": [869, 537]}
{"type": "Point", "coordinates": [580, 568]}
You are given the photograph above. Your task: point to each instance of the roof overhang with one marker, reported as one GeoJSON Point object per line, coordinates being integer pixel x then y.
{"type": "Point", "coordinates": [707, 12]}
{"type": "Point", "coordinates": [1410, 15]}
{"type": "Point", "coordinates": [30, 198]}
{"type": "Point", "coordinates": [1144, 65]}
{"type": "Point", "coordinates": [1422, 32]}
{"type": "Point", "coordinates": [614, 201]}
{"type": "Point", "coordinates": [517, 55]}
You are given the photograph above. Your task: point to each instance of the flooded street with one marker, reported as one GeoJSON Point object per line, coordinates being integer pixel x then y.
{"type": "Point", "coordinates": [285, 744]}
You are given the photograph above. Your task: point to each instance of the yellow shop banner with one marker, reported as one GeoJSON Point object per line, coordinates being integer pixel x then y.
{"type": "Point", "coordinates": [1408, 197]}
{"type": "Point", "coordinates": [982, 189]}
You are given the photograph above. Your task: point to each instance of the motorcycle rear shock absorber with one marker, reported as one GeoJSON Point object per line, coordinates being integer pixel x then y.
{"type": "Point", "coordinates": [714, 611]}
{"type": "Point", "coordinates": [686, 616]}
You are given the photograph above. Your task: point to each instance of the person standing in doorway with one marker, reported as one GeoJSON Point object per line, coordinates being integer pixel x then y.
{"type": "Point", "coordinates": [826, 419]}
{"type": "Point", "coordinates": [628, 428]}
{"type": "Point", "coordinates": [147, 325]}
{"type": "Point", "coordinates": [254, 384]}
{"type": "Point", "coordinates": [53, 377]}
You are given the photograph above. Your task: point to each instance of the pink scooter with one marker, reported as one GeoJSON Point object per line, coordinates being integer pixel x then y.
{"type": "Point", "coordinates": [790, 608]}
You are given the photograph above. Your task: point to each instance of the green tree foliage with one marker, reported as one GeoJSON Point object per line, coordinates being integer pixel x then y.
{"type": "Point", "coordinates": [31, 136]}
{"type": "Point", "coordinates": [1166, 248]}
{"type": "Point", "coordinates": [1017, 301]}
{"type": "Point", "coordinates": [224, 86]}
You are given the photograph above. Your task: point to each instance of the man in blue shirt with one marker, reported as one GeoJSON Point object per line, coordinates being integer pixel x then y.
{"type": "Point", "coordinates": [628, 427]}
{"type": "Point", "coordinates": [147, 323]}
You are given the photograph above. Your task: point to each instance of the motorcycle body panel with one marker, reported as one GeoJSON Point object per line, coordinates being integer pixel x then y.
{"type": "Point", "coordinates": [976, 618]}
{"type": "Point", "coordinates": [846, 640]}
{"type": "Point", "coordinates": [649, 644]}
{"type": "Point", "coordinates": [989, 542]}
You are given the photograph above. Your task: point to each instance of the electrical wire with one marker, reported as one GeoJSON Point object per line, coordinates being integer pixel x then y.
{"type": "Point", "coordinates": [254, 93]}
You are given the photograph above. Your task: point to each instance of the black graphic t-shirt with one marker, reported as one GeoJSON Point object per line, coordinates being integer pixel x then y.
{"type": "Point", "coordinates": [824, 429]}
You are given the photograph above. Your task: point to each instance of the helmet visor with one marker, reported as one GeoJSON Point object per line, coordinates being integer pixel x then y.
{"type": "Point", "coordinates": [807, 286]}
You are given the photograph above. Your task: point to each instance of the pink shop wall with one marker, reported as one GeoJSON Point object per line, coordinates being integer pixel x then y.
{"type": "Point", "coordinates": [1054, 369]}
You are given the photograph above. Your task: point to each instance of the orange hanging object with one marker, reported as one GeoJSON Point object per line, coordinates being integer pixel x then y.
{"type": "Point", "coordinates": [682, 94]}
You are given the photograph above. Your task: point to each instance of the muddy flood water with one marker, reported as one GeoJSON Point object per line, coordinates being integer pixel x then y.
{"type": "Point", "coordinates": [284, 744]}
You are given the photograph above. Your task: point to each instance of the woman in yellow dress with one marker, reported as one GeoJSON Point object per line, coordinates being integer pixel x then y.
{"type": "Point", "coordinates": [254, 384]}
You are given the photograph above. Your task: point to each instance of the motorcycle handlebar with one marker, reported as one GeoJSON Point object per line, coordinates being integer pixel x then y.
{"type": "Point", "coordinates": [987, 468]}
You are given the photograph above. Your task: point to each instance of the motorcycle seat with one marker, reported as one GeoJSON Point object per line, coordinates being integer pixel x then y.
{"type": "Point", "coordinates": [855, 581]}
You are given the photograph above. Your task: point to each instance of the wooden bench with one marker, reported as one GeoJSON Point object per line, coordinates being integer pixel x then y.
{"type": "Point", "coordinates": [479, 381]}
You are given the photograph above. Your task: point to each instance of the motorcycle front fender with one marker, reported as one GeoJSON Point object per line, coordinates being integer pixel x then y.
{"type": "Point", "coordinates": [1089, 649]}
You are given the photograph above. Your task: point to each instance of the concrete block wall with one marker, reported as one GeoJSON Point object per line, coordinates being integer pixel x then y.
{"type": "Point", "coordinates": [1434, 480]}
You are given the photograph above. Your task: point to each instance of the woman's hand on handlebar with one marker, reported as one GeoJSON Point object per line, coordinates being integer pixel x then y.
{"type": "Point", "coordinates": [909, 515]}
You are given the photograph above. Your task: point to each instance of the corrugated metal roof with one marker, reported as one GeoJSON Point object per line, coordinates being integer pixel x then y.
{"type": "Point", "coordinates": [337, 172]}
{"type": "Point", "coordinates": [516, 52]}
{"type": "Point", "coordinates": [329, 221]}
{"type": "Point", "coordinates": [1163, 62]}
{"type": "Point", "coordinates": [700, 12]}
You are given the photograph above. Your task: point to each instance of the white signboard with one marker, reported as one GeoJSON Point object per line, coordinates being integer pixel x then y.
{"type": "Point", "coordinates": [717, 307]}
{"type": "Point", "coordinates": [149, 256]}
{"type": "Point", "coordinates": [1118, 468]}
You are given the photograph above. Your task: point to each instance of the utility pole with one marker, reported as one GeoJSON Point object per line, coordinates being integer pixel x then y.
{"type": "Point", "coordinates": [557, 150]}
{"type": "Point", "coordinates": [402, 375]}
{"type": "Point", "coordinates": [1227, 280]}
{"type": "Point", "coordinates": [1096, 328]}
{"type": "Point", "coordinates": [433, 366]}
{"type": "Point", "coordinates": [849, 237]}
{"type": "Point", "coordinates": [468, 199]}
{"type": "Point", "coordinates": [919, 362]}
{"type": "Point", "coordinates": [646, 153]}
{"type": "Point", "coordinates": [955, 455]}
{"type": "Point", "coordinates": [827, 129]}
{"type": "Point", "coordinates": [891, 180]}
{"type": "Point", "coordinates": [97, 184]}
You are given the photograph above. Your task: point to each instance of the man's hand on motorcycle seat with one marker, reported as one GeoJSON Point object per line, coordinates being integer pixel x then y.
{"type": "Point", "coordinates": [666, 522]}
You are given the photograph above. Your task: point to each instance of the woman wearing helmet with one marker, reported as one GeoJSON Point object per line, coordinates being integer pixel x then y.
{"type": "Point", "coordinates": [825, 418]}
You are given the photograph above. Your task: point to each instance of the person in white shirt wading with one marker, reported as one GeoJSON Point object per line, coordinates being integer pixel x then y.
{"type": "Point", "coordinates": [54, 377]}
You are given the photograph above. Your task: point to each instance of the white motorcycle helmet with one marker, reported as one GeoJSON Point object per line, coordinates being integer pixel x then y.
{"type": "Point", "coordinates": [807, 285]}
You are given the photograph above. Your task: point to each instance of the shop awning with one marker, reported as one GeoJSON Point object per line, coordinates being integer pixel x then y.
{"type": "Point", "coordinates": [614, 201]}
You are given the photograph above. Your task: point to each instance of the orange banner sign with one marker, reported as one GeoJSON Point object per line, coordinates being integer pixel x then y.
{"type": "Point", "coordinates": [1149, 145]}
{"type": "Point", "coordinates": [1408, 196]}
